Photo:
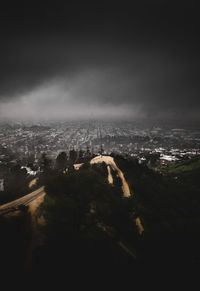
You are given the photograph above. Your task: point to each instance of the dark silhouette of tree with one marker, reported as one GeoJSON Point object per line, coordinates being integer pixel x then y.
{"type": "Point", "coordinates": [81, 154]}
{"type": "Point", "coordinates": [16, 183]}
{"type": "Point", "coordinates": [45, 163]}
{"type": "Point", "coordinates": [72, 156]}
{"type": "Point", "coordinates": [88, 153]}
{"type": "Point", "coordinates": [61, 161]}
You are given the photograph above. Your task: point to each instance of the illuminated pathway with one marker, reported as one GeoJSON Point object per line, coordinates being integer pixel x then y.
{"type": "Point", "coordinates": [125, 187]}
{"type": "Point", "coordinates": [110, 162]}
{"type": "Point", "coordinates": [25, 200]}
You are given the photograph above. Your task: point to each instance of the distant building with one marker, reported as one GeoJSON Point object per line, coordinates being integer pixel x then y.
{"type": "Point", "coordinates": [1, 184]}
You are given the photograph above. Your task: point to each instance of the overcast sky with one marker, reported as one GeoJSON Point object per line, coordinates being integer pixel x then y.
{"type": "Point", "coordinates": [107, 61]}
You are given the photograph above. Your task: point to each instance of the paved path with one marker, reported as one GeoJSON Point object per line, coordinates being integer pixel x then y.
{"type": "Point", "coordinates": [25, 200]}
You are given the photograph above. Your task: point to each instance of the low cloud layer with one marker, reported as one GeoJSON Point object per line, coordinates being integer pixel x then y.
{"type": "Point", "coordinates": [105, 64]}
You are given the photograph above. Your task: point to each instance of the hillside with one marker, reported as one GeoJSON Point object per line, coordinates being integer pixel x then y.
{"type": "Point", "coordinates": [89, 220]}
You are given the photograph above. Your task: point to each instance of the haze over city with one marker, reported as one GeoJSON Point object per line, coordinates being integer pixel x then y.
{"type": "Point", "coordinates": [99, 143]}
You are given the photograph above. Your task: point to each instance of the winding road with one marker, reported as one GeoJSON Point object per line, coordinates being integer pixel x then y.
{"type": "Point", "coordinates": [25, 200]}
{"type": "Point", "coordinates": [110, 162]}
{"type": "Point", "coordinates": [35, 198]}
{"type": "Point", "coordinates": [125, 187]}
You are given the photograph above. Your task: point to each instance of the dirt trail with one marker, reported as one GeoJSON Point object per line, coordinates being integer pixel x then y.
{"type": "Point", "coordinates": [77, 166]}
{"type": "Point", "coordinates": [33, 205]}
{"type": "Point", "coordinates": [110, 178]}
{"type": "Point", "coordinates": [126, 249]}
{"type": "Point", "coordinates": [33, 182]}
{"type": "Point", "coordinates": [110, 162]}
{"type": "Point", "coordinates": [139, 225]}
{"type": "Point", "coordinates": [37, 238]}
{"type": "Point", "coordinates": [125, 187]}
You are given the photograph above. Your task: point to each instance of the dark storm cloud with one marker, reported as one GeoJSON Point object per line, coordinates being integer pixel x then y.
{"type": "Point", "coordinates": [143, 59]}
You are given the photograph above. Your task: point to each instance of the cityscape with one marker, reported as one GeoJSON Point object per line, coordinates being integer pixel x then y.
{"type": "Point", "coordinates": [99, 143]}
{"type": "Point", "coordinates": [27, 141]}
